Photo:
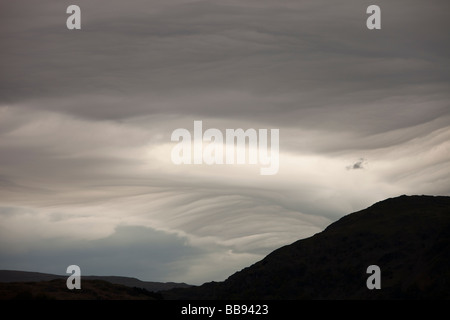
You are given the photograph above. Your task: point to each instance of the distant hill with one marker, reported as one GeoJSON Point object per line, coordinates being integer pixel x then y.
{"type": "Point", "coordinates": [56, 290]}
{"type": "Point", "coordinates": [408, 237]}
{"type": "Point", "coordinates": [8, 276]}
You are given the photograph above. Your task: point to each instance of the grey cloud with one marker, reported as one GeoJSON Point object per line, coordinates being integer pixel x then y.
{"type": "Point", "coordinates": [9, 211]}
{"type": "Point", "coordinates": [295, 63]}
{"type": "Point", "coordinates": [358, 164]}
{"type": "Point", "coordinates": [86, 118]}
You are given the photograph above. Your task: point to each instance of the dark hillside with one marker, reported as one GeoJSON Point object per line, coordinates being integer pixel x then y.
{"type": "Point", "coordinates": [407, 237]}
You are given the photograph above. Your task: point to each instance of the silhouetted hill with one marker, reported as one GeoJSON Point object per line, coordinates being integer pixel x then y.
{"type": "Point", "coordinates": [24, 276]}
{"type": "Point", "coordinates": [407, 237]}
{"type": "Point", "coordinates": [56, 290]}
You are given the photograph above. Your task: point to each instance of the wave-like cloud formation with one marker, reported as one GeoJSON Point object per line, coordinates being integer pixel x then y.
{"type": "Point", "coordinates": [86, 119]}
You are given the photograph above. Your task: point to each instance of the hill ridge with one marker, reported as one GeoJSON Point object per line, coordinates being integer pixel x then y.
{"type": "Point", "coordinates": [8, 276]}
{"type": "Point", "coordinates": [407, 236]}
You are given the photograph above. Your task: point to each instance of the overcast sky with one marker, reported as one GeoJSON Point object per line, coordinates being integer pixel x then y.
{"type": "Point", "coordinates": [86, 118]}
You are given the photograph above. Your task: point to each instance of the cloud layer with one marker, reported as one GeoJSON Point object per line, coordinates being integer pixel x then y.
{"type": "Point", "coordinates": [86, 118]}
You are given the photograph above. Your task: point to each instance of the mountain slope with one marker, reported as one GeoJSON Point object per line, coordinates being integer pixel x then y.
{"type": "Point", "coordinates": [408, 237]}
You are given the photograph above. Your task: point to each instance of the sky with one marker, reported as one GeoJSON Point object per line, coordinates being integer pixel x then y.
{"type": "Point", "coordinates": [86, 118]}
